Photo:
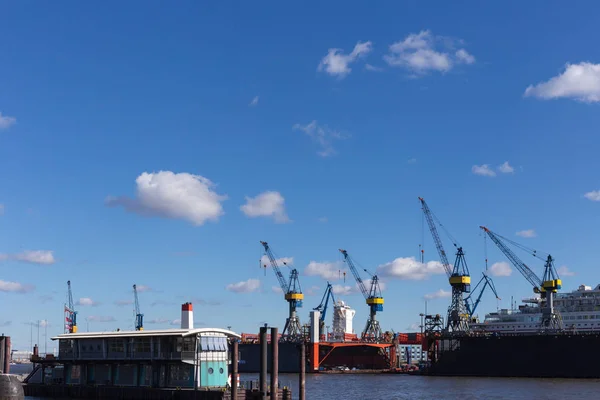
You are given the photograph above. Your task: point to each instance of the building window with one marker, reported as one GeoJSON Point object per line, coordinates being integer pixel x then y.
{"type": "Point", "coordinates": [142, 345]}
{"type": "Point", "coordinates": [210, 371]}
{"type": "Point", "coordinates": [188, 344]}
{"type": "Point", "coordinates": [116, 346]}
{"type": "Point", "coordinates": [221, 371]}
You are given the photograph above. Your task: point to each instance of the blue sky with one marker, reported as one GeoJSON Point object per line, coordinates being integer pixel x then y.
{"type": "Point", "coordinates": [147, 144]}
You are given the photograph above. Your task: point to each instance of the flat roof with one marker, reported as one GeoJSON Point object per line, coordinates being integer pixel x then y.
{"type": "Point", "coordinates": [161, 332]}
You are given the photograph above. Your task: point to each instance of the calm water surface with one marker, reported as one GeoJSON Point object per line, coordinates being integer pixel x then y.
{"type": "Point", "coordinates": [393, 387]}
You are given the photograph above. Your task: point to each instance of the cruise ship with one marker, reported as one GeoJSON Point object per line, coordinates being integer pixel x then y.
{"type": "Point", "coordinates": [579, 311]}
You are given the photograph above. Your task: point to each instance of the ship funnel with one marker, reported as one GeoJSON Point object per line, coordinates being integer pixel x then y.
{"type": "Point", "coordinates": [187, 316]}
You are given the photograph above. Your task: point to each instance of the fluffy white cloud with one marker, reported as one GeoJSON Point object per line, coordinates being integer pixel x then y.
{"type": "Point", "coordinates": [563, 270]}
{"type": "Point", "coordinates": [313, 290]}
{"type": "Point", "coordinates": [249, 286]}
{"type": "Point", "coordinates": [264, 260]}
{"type": "Point", "coordinates": [373, 68]}
{"type": "Point", "coordinates": [7, 286]}
{"type": "Point", "coordinates": [276, 289]}
{"type": "Point", "coordinates": [322, 135]}
{"type": "Point", "coordinates": [158, 321]}
{"type": "Point", "coordinates": [336, 63]}
{"type": "Point", "coordinates": [463, 56]}
{"type": "Point", "coordinates": [6, 121]}
{"type": "Point", "coordinates": [527, 233]}
{"type": "Point", "coordinates": [254, 102]}
{"type": "Point", "coordinates": [173, 195]}
{"type": "Point", "coordinates": [44, 257]}
{"type": "Point", "coordinates": [506, 168]}
{"type": "Point", "coordinates": [326, 270]}
{"type": "Point", "coordinates": [408, 268]}
{"type": "Point", "coordinates": [86, 301]}
{"type": "Point", "coordinates": [483, 170]}
{"type": "Point", "coordinates": [344, 290]}
{"type": "Point", "coordinates": [322, 219]}
{"type": "Point", "coordinates": [594, 195]}
{"type": "Point", "coordinates": [423, 52]}
{"type": "Point", "coordinates": [578, 81]}
{"type": "Point", "coordinates": [500, 269]}
{"type": "Point", "coordinates": [100, 318]}
{"type": "Point", "coordinates": [440, 294]}
{"type": "Point", "coordinates": [266, 204]}
{"type": "Point", "coordinates": [143, 288]}
{"type": "Point", "coordinates": [176, 322]}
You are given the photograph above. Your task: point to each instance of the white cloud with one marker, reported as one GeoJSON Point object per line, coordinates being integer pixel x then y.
{"type": "Point", "coordinates": [143, 288]}
{"type": "Point", "coordinates": [413, 327]}
{"type": "Point", "coordinates": [563, 270]}
{"type": "Point", "coordinates": [594, 195]}
{"type": "Point", "coordinates": [264, 260]}
{"type": "Point", "coordinates": [483, 170]}
{"type": "Point", "coordinates": [344, 290]}
{"type": "Point", "coordinates": [578, 81]}
{"type": "Point", "coordinates": [6, 286]}
{"type": "Point", "coordinates": [100, 318]}
{"type": "Point", "coordinates": [411, 161]}
{"type": "Point", "coordinates": [86, 301]}
{"type": "Point", "coordinates": [158, 321]}
{"type": "Point", "coordinates": [440, 294]}
{"type": "Point", "coordinates": [423, 52]}
{"type": "Point", "coordinates": [323, 136]}
{"type": "Point", "coordinates": [336, 63]}
{"type": "Point", "coordinates": [176, 322]}
{"type": "Point", "coordinates": [173, 195]}
{"type": "Point", "coordinates": [373, 68]}
{"type": "Point", "coordinates": [44, 257]}
{"type": "Point", "coordinates": [463, 56]}
{"type": "Point", "coordinates": [506, 168]}
{"type": "Point", "coordinates": [276, 289]}
{"type": "Point", "coordinates": [249, 286]}
{"type": "Point", "coordinates": [313, 290]}
{"type": "Point", "coordinates": [527, 233]}
{"type": "Point", "coordinates": [323, 219]}
{"type": "Point", "coordinates": [368, 284]}
{"type": "Point", "coordinates": [122, 303]}
{"type": "Point", "coordinates": [500, 269]}
{"type": "Point", "coordinates": [408, 268]}
{"type": "Point", "coordinates": [266, 204]}
{"type": "Point", "coordinates": [6, 121]}
{"type": "Point", "coordinates": [254, 102]}
{"type": "Point", "coordinates": [326, 270]}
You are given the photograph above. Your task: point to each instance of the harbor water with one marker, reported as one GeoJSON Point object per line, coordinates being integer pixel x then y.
{"type": "Point", "coordinates": [396, 387]}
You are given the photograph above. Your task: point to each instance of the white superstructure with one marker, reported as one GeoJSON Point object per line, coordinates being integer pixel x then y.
{"type": "Point", "coordinates": [342, 320]}
{"type": "Point", "coordinates": [579, 310]}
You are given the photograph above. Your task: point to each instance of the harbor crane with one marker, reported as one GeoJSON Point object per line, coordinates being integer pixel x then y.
{"type": "Point", "coordinates": [458, 276]}
{"type": "Point", "coordinates": [322, 308]}
{"type": "Point", "coordinates": [472, 305]}
{"type": "Point", "coordinates": [546, 287]}
{"type": "Point", "coordinates": [70, 313]}
{"type": "Point", "coordinates": [139, 317]}
{"type": "Point", "coordinates": [373, 298]}
{"type": "Point", "coordinates": [292, 331]}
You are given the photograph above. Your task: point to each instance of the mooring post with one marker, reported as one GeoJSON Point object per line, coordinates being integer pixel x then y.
{"type": "Point", "coordinates": [234, 369]}
{"type": "Point", "coordinates": [263, 362]}
{"type": "Point", "coordinates": [302, 371]}
{"type": "Point", "coordinates": [274, 364]}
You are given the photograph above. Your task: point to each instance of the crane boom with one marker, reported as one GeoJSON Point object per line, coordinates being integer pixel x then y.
{"type": "Point", "coordinates": [322, 307]}
{"type": "Point", "coordinates": [70, 313]}
{"type": "Point", "coordinates": [531, 277]}
{"type": "Point", "coordinates": [359, 281]}
{"type": "Point", "coordinates": [472, 306]}
{"type": "Point", "coordinates": [292, 331]}
{"type": "Point", "coordinates": [436, 237]}
{"type": "Point", "coordinates": [139, 317]}
{"type": "Point", "coordinates": [282, 282]}
{"type": "Point", "coordinates": [373, 299]}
